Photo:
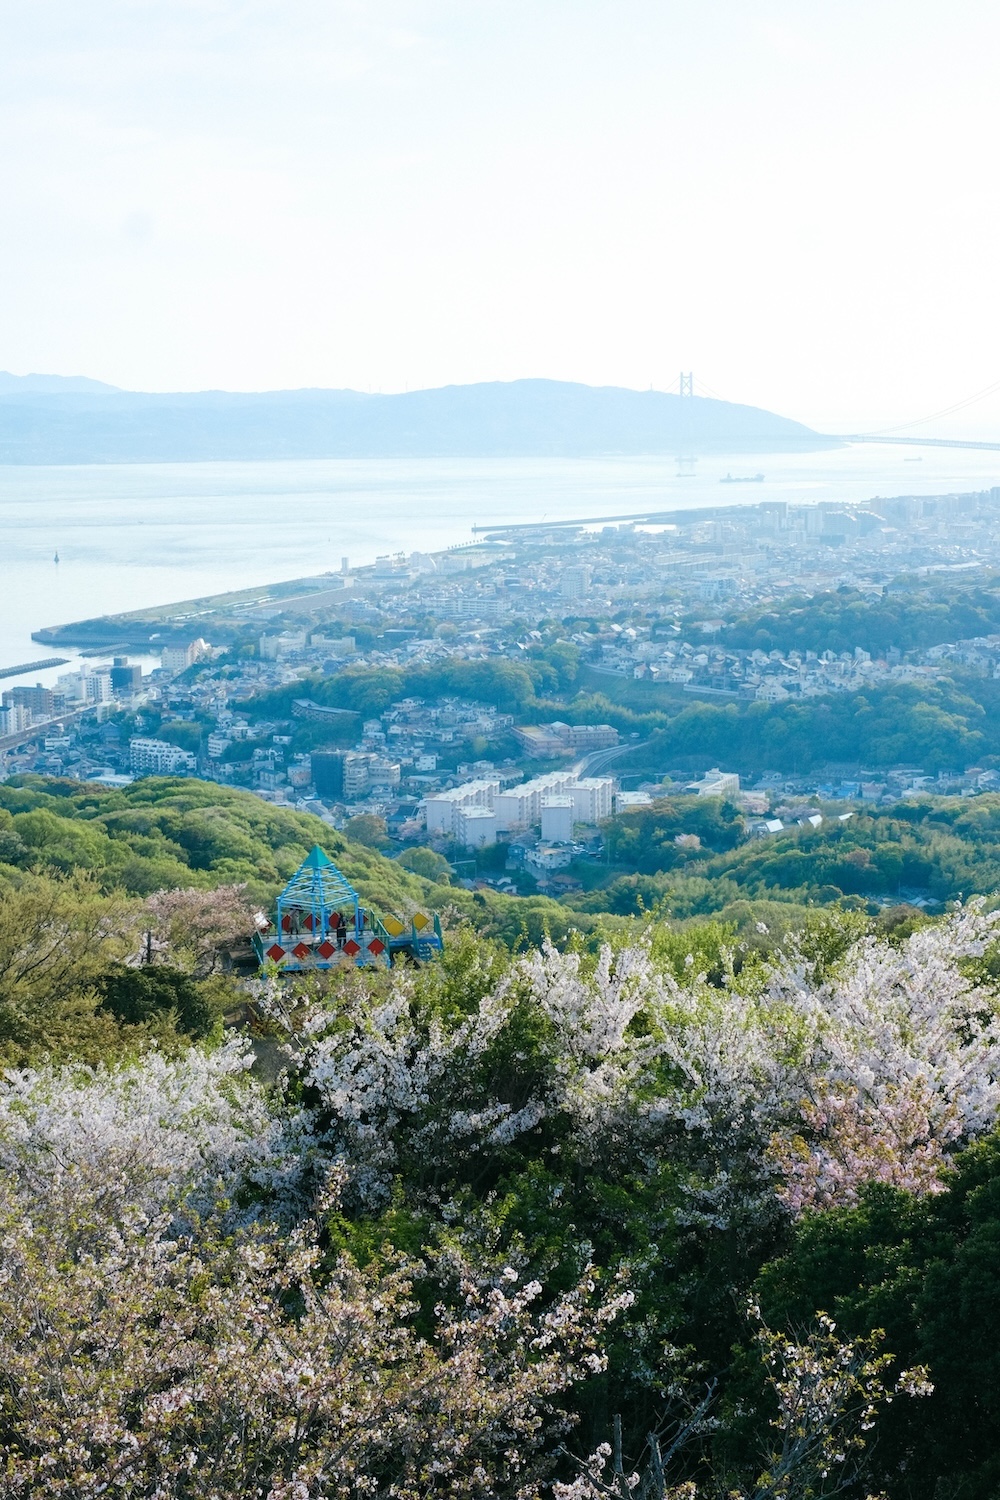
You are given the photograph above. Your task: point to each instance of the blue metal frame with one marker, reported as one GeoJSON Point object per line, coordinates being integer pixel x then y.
{"type": "Point", "coordinates": [318, 889]}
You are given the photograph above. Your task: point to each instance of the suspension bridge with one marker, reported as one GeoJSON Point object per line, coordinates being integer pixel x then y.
{"type": "Point", "coordinates": [901, 435]}
{"type": "Point", "coordinates": [916, 442]}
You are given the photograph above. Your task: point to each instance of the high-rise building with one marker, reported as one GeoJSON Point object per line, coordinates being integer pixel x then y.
{"type": "Point", "coordinates": [275, 647]}
{"type": "Point", "coordinates": [218, 743]}
{"type": "Point", "coordinates": [328, 773]}
{"type": "Point", "coordinates": [592, 799]}
{"type": "Point", "coordinates": [39, 701]}
{"type": "Point", "coordinates": [126, 676]}
{"type": "Point", "coordinates": [355, 774]}
{"type": "Point", "coordinates": [574, 582]}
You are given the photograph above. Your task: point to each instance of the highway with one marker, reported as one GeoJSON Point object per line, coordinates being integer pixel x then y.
{"type": "Point", "coordinates": [594, 763]}
{"type": "Point", "coordinates": [47, 726]}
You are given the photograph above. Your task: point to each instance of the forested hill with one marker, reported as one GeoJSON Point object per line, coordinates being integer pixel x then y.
{"type": "Point", "coordinates": [520, 418]}
{"type": "Point", "coordinates": [914, 614]}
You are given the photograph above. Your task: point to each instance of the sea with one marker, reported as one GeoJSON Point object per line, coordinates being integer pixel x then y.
{"type": "Point", "coordinates": [134, 535]}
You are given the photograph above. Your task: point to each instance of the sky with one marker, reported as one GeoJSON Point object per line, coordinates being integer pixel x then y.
{"type": "Point", "coordinates": [796, 200]}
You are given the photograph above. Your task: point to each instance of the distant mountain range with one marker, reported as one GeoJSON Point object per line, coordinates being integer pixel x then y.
{"type": "Point", "coordinates": [49, 419]}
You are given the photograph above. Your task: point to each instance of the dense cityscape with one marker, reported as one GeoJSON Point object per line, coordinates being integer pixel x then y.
{"type": "Point", "coordinates": [597, 613]}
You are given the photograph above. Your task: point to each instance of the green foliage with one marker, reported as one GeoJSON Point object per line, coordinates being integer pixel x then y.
{"type": "Point", "coordinates": [136, 996]}
{"type": "Point", "coordinates": [947, 848]}
{"type": "Point", "coordinates": [643, 838]}
{"type": "Point", "coordinates": [932, 724]}
{"type": "Point", "coordinates": [426, 862]}
{"type": "Point", "coordinates": [164, 832]}
{"type": "Point", "coordinates": [58, 938]}
{"type": "Point", "coordinates": [368, 691]}
{"type": "Point", "coordinates": [911, 617]}
{"type": "Point", "coordinates": [563, 657]}
{"type": "Point", "coordinates": [167, 834]}
{"type": "Point", "coordinates": [927, 1270]}
{"type": "Point", "coordinates": [367, 829]}
{"type": "Point", "coordinates": [181, 732]}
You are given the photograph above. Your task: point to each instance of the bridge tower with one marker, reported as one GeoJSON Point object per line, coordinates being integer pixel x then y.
{"type": "Point", "coordinates": [687, 384]}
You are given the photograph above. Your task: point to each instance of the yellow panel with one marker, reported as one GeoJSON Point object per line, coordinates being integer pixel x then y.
{"type": "Point", "coordinates": [392, 925]}
{"type": "Point", "coordinates": [421, 920]}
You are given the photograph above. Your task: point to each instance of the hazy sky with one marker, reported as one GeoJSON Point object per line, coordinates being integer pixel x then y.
{"type": "Point", "coordinates": [797, 201]}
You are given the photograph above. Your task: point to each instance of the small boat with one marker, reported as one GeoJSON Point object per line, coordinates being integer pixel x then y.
{"type": "Point", "coordinates": [56, 558]}
{"type": "Point", "coordinates": [742, 479]}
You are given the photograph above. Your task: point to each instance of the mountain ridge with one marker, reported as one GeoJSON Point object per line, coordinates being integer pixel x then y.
{"type": "Point", "coordinates": [522, 418]}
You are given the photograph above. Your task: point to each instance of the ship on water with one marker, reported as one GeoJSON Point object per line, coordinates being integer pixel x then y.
{"type": "Point", "coordinates": [742, 479]}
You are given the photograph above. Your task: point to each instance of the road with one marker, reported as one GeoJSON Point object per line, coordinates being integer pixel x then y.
{"type": "Point", "coordinates": [39, 731]}
{"type": "Point", "coordinates": [597, 760]}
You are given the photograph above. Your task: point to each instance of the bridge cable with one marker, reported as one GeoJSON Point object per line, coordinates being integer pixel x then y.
{"type": "Point", "coordinates": [946, 411]}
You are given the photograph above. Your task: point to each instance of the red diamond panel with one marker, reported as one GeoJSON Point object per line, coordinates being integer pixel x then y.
{"type": "Point", "coordinates": [286, 923]}
{"type": "Point", "coordinates": [376, 946]}
{"type": "Point", "coordinates": [308, 923]}
{"type": "Point", "coordinates": [274, 953]}
{"type": "Point", "coordinates": [351, 947]}
{"type": "Point", "coordinates": [326, 950]}
{"type": "Point", "coordinates": [301, 950]}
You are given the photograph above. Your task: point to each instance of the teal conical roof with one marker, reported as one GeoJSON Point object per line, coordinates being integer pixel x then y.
{"type": "Point", "coordinates": [318, 883]}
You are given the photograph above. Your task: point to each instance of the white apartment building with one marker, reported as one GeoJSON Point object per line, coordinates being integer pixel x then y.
{"type": "Point", "coordinates": [589, 800]}
{"type": "Point", "coordinates": [444, 807]}
{"type": "Point", "coordinates": [158, 758]}
{"type": "Point", "coordinates": [592, 797]}
{"type": "Point", "coordinates": [715, 783]}
{"type": "Point", "coordinates": [176, 659]}
{"type": "Point", "coordinates": [73, 685]}
{"type": "Point", "coordinates": [355, 775]}
{"type": "Point", "coordinates": [557, 820]}
{"type": "Point", "coordinates": [383, 772]}
{"type": "Point", "coordinates": [274, 647]}
{"type": "Point", "coordinates": [218, 744]}
{"type": "Point", "coordinates": [475, 826]}
{"type": "Point", "coordinates": [14, 719]}
{"type": "Point", "coordinates": [520, 806]}
{"type": "Point", "coordinates": [336, 645]}
{"type": "Point", "coordinates": [86, 685]}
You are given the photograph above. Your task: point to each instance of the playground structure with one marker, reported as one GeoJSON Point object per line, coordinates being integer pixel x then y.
{"type": "Point", "coordinates": [320, 923]}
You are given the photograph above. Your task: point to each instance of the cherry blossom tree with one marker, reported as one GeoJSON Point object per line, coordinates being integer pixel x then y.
{"type": "Point", "coordinates": [157, 1355]}
{"type": "Point", "coordinates": [876, 1072]}
{"type": "Point", "coordinates": [191, 927]}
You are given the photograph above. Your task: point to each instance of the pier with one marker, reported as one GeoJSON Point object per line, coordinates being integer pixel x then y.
{"type": "Point", "coordinates": [34, 666]}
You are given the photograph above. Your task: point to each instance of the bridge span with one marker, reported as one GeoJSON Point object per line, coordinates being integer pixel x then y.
{"type": "Point", "coordinates": [918, 442]}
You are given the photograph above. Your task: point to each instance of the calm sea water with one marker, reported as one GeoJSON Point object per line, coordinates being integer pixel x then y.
{"type": "Point", "coordinates": [143, 534]}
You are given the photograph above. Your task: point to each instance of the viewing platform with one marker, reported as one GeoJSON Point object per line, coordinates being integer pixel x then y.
{"type": "Point", "coordinates": [320, 923]}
